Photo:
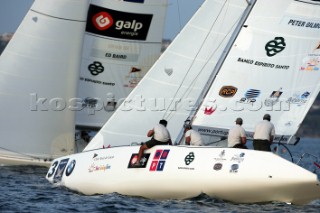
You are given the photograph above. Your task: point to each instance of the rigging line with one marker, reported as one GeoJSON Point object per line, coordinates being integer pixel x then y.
{"type": "Point", "coordinates": [179, 15]}
{"type": "Point", "coordinates": [187, 92]}
{"type": "Point", "coordinates": [170, 114]}
{"type": "Point", "coordinates": [165, 113]}
{"type": "Point", "coordinates": [201, 70]}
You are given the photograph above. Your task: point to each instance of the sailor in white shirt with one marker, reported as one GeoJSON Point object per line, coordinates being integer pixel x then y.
{"type": "Point", "coordinates": [237, 135]}
{"type": "Point", "coordinates": [159, 133]}
{"type": "Point", "coordinates": [263, 135]}
{"type": "Point", "coordinates": [160, 136]}
{"type": "Point", "coordinates": [192, 137]}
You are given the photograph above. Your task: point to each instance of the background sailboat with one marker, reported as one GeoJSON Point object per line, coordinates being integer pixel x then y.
{"type": "Point", "coordinates": [122, 41]}
{"type": "Point", "coordinates": [37, 72]}
{"type": "Point", "coordinates": [41, 79]}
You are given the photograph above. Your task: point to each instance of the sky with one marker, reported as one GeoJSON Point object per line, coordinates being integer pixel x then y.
{"type": "Point", "coordinates": [13, 11]}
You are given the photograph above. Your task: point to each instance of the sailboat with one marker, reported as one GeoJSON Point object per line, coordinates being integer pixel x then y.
{"type": "Point", "coordinates": [39, 73]}
{"type": "Point", "coordinates": [242, 60]}
{"type": "Point", "coordinates": [49, 55]}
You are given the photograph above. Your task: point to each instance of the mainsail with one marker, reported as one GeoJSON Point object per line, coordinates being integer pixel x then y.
{"type": "Point", "coordinates": [39, 71]}
{"type": "Point", "coordinates": [172, 86]}
{"type": "Point", "coordinates": [273, 67]}
{"type": "Point", "coordinates": [121, 43]}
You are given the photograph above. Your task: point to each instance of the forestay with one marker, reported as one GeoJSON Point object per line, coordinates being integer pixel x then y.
{"type": "Point", "coordinates": [172, 86]}
{"type": "Point", "coordinates": [273, 67]}
{"type": "Point", "coordinates": [39, 72]}
{"type": "Point", "coordinates": [121, 43]}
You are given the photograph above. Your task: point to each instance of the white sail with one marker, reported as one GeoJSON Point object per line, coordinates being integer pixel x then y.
{"type": "Point", "coordinates": [172, 86]}
{"type": "Point", "coordinates": [121, 43]}
{"type": "Point", "coordinates": [273, 67]}
{"type": "Point", "coordinates": [39, 73]}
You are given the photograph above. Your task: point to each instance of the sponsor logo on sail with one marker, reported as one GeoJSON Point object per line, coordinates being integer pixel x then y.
{"type": "Point", "coordinates": [116, 56]}
{"type": "Point", "coordinates": [312, 65]}
{"type": "Point", "coordinates": [96, 68]}
{"type": "Point", "coordinates": [304, 23]}
{"type": "Point", "coordinates": [263, 64]}
{"type": "Point", "coordinates": [298, 98]}
{"type": "Point", "coordinates": [250, 96]}
{"type": "Point", "coordinates": [89, 102]}
{"type": "Point", "coordinates": [159, 160]}
{"type": "Point", "coordinates": [213, 131]}
{"type": "Point", "coordinates": [209, 110]}
{"type": "Point", "coordinates": [275, 46]}
{"type": "Point", "coordinates": [274, 98]}
{"type": "Point", "coordinates": [111, 23]}
{"type": "Point", "coordinates": [228, 91]}
{"type": "Point", "coordinates": [312, 61]}
{"type": "Point", "coordinates": [133, 77]}
{"type": "Point", "coordinates": [102, 20]}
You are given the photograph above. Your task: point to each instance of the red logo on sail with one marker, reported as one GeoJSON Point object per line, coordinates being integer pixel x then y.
{"type": "Point", "coordinates": [209, 110]}
{"type": "Point", "coordinates": [102, 20]}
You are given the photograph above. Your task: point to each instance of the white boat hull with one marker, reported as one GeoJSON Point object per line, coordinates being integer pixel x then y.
{"type": "Point", "coordinates": [180, 172]}
{"type": "Point", "coordinates": [12, 159]}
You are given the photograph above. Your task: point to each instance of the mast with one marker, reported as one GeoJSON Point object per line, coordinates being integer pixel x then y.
{"type": "Point", "coordinates": [220, 62]}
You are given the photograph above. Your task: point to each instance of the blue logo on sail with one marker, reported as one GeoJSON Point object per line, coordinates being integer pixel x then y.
{"type": "Point", "coordinates": [299, 99]}
{"type": "Point", "coordinates": [250, 96]}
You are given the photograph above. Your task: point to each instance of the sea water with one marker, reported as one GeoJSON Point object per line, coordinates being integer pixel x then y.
{"type": "Point", "coordinates": [25, 189]}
